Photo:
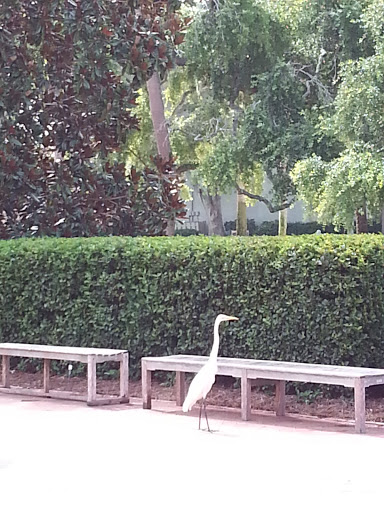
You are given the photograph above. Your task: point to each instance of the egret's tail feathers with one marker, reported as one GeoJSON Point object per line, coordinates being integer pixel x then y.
{"type": "Point", "coordinates": [187, 405]}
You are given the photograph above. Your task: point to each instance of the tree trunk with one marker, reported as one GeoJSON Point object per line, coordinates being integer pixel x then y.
{"type": "Point", "coordinates": [283, 217]}
{"type": "Point", "coordinates": [156, 106]}
{"type": "Point", "coordinates": [382, 220]}
{"type": "Point", "coordinates": [241, 221]}
{"type": "Point", "coordinates": [160, 127]}
{"type": "Point", "coordinates": [361, 222]}
{"type": "Point", "coordinates": [212, 205]}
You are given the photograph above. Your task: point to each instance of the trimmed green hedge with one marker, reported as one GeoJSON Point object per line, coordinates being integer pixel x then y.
{"type": "Point", "coordinates": [271, 227]}
{"type": "Point", "coordinates": [309, 298]}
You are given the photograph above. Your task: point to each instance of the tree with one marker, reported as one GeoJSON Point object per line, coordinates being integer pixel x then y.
{"type": "Point", "coordinates": [355, 120]}
{"type": "Point", "coordinates": [325, 35]}
{"type": "Point", "coordinates": [337, 190]}
{"type": "Point", "coordinates": [202, 139]}
{"type": "Point", "coordinates": [278, 131]}
{"type": "Point", "coordinates": [140, 145]}
{"type": "Point", "coordinates": [226, 45]}
{"type": "Point", "coordinates": [195, 120]}
{"type": "Point", "coordinates": [69, 75]}
{"type": "Point", "coordinates": [271, 88]}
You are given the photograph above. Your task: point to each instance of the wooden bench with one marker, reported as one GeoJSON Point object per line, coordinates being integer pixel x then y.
{"type": "Point", "coordinates": [265, 372]}
{"type": "Point", "coordinates": [90, 356]}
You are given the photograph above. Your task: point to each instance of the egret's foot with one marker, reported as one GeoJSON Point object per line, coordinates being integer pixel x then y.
{"type": "Point", "coordinates": [208, 430]}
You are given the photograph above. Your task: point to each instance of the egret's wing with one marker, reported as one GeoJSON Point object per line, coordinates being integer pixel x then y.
{"type": "Point", "coordinates": [200, 386]}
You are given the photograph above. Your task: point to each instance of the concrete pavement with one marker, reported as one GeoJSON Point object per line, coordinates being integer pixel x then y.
{"type": "Point", "coordinates": [60, 455]}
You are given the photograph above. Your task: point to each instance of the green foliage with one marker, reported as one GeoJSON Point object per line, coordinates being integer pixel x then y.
{"type": "Point", "coordinates": [141, 144]}
{"type": "Point", "coordinates": [276, 130]}
{"type": "Point", "coordinates": [309, 396]}
{"type": "Point", "coordinates": [373, 19]}
{"type": "Point", "coordinates": [69, 75]}
{"type": "Point", "coordinates": [194, 116]}
{"type": "Point", "coordinates": [359, 104]}
{"type": "Point", "coordinates": [224, 47]}
{"type": "Point", "coordinates": [203, 140]}
{"type": "Point", "coordinates": [335, 190]}
{"type": "Point", "coordinates": [339, 186]}
{"type": "Point", "coordinates": [227, 45]}
{"type": "Point", "coordinates": [325, 33]}
{"type": "Point", "coordinates": [314, 299]}
{"type": "Point", "coordinates": [227, 162]}
{"type": "Point", "coordinates": [186, 232]}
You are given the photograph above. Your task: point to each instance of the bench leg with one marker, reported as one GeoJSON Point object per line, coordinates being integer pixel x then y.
{"type": "Point", "coordinates": [91, 380]}
{"type": "Point", "coordinates": [124, 378]}
{"type": "Point", "coordinates": [180, 388]}
{"type": "Point", "coordinates": [245, 397]}
{"type": "Point", "coordinates": [146, 386]}
{"type": "Point", "coordinates": [5, 371]}
{"type": "Point", "coordinates": [360, 406]}
{"type": "Point", "coordinates": [47, 364]}
{"type": "Point", "coordinates": [280, 398]}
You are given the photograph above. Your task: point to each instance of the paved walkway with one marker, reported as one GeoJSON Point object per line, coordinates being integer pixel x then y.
{"type": "Point", "coordinates": [65, 456]}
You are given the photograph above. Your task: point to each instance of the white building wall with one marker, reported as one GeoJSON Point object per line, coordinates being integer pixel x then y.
{"type": "Point", "coordinates": [259, 212]}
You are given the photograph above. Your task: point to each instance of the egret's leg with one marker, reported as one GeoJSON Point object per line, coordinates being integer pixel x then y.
{"type": "Point", "coordinates": [201, 405]}
{"type": "Point", "coordinates": [206, 417]}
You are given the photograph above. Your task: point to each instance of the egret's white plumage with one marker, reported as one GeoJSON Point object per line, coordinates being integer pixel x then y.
{"type": "Point", "coordinates": [200, 385]}
{"type": "Point", "coordinates": [205, 378]}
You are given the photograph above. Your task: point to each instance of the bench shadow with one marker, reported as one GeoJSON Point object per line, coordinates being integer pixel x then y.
{"type": "Point", "coordinates": [269, 419]}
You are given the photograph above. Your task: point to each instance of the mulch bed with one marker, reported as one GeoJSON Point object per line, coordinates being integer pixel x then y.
{"type": "Point", "coordinates": [220, 395]}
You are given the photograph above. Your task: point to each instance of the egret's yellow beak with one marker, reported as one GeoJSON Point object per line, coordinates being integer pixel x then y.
{"type": "Point", "coordinates": [232, 318]}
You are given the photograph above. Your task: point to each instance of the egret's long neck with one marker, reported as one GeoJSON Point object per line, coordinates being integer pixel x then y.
{"type": "Point", "coordinates": [216, 341]}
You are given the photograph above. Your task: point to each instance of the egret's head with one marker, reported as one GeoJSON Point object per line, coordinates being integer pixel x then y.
{"type": "Point", "coordinates": [225, 318]}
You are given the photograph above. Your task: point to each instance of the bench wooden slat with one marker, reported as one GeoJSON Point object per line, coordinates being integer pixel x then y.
{"type": "Point", "coordinates": [59, 352]}
{"type": "Point", "coordinates": [226, 363]}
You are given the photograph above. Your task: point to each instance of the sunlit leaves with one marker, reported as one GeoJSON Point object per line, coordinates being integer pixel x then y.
{"type": "Point", "coordinates": [360, 102]}
{"type": "Point", "coordinates": [373, 19]}
{"type": "Point", "coordinates": [335, 190]}
{"type": "Point", "coordinates": [227, 162]}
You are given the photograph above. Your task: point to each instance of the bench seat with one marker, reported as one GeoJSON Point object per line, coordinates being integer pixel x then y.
{"type": "Point", "coordinates": [263, 372]}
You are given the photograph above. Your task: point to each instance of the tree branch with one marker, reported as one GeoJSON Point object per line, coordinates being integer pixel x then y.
{"type": "Point", "coordinates": [186, 167]}
{"type": "Point", "coordinates": [312, 80]}
{"type": "Point", "coordinates": [267, 202]}
{"type": "Point", "coordinates": [180, 104]}
{"type": "Point", "coordinates": [136, 155]}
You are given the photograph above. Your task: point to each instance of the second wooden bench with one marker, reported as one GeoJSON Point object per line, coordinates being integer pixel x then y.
{"type": "Point", "coordinates": [262, 372]}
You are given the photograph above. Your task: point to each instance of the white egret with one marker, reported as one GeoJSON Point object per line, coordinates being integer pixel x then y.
{"type": "Point", "coordinates": [204, 379]}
